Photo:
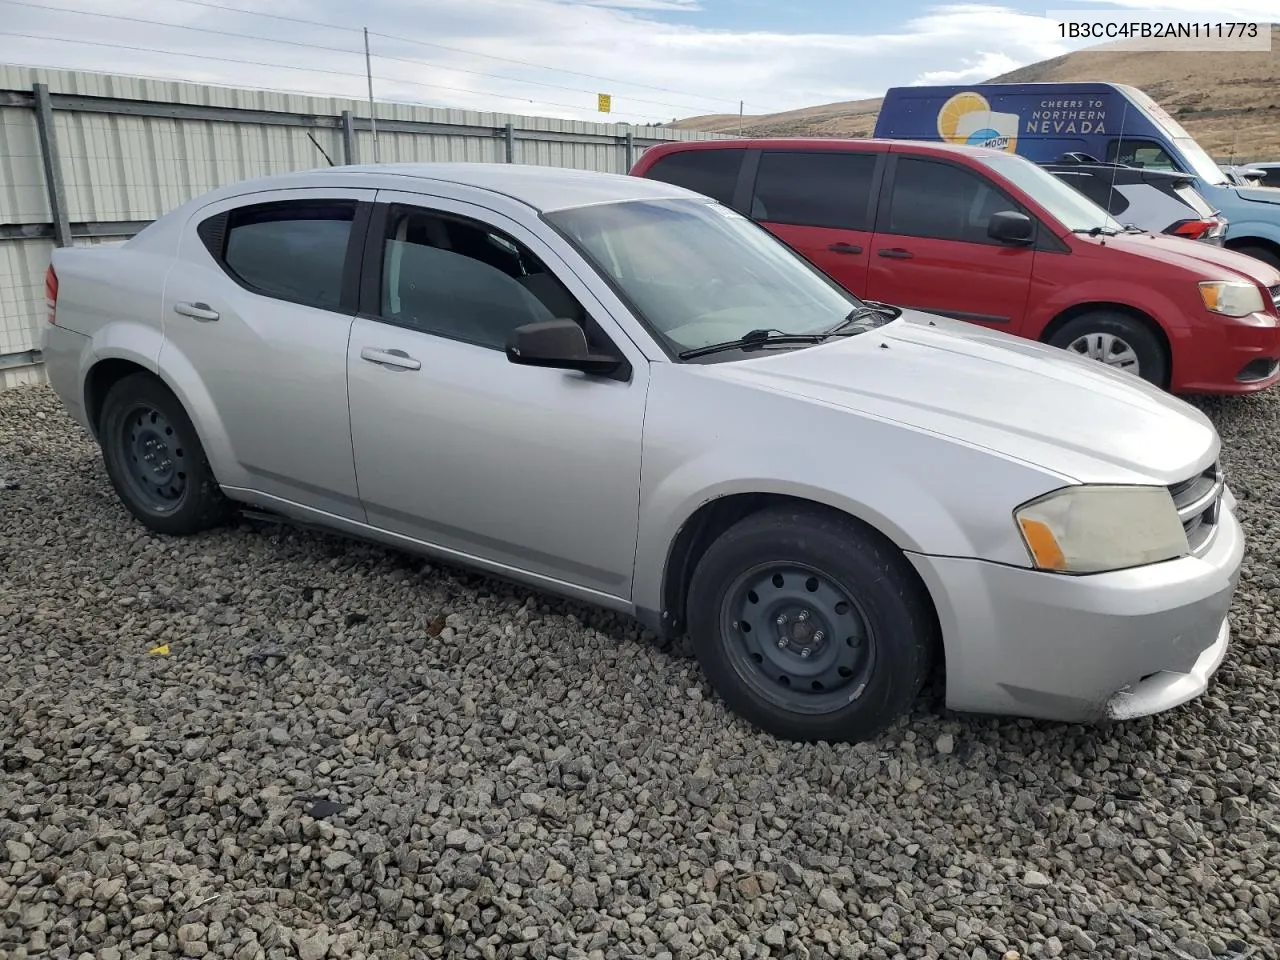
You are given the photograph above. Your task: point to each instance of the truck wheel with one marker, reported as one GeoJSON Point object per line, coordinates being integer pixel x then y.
{"type": "Point", "coordinates": [1119, 341]}
{"type": "Point", "coordinates": [1261, 253]}
{"type": "Point", "coordinates": [810, 627]}
{"type": "Point", "coordinates": [154, 458]}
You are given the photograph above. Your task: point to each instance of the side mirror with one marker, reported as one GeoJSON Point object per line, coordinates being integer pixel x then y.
{"type": "Point", "coordinates": [560, 344]}
{"type": "Point", "coordinates": [1009, 226]}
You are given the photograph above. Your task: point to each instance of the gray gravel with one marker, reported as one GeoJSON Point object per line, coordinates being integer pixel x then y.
{"type": "Point", "coordinates": [348, 752]}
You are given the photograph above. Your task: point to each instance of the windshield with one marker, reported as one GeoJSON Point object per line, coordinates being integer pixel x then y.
{"type": "Point", "coordinates": [697, 273]}
{"type": "Point", "coordinates": [1201, 163]}
{"type": "Point", "coordinates": [1067, 204]}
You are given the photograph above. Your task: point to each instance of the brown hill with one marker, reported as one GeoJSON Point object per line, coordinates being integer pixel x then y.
{"type": "Point", "coordinates": [1231, 103]}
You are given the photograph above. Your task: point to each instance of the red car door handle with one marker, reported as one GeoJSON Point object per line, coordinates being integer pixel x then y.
{"type": "Point", "coordinates": [896, 253]}
{"type": "Point", "coordinates": [844, 248]}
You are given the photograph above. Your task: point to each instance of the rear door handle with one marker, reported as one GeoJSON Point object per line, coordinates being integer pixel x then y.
{"type": "Point", "coordinates": [844, 248]}
{"type": "Point", "coordinates": [197, 311]}
{"type": "Point", "coordinates": [390, 358]}
{"type": "Point", "coordinates": [896, 253]}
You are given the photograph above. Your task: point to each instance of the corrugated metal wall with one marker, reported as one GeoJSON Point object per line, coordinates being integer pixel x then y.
{"type": "Point", "coordinates": [118, 167]}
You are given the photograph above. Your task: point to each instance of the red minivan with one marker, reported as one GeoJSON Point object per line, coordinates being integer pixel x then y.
{"type": "Point", "coordinates": [989, 237]}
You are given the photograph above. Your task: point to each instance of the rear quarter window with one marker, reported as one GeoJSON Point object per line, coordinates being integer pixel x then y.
{"type": "Point", "coordinates": [712, 173]}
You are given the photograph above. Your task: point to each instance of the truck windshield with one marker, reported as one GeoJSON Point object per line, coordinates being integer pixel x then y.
{"type": "Point", "coordinates": [1201, 163]}
{"type": "Point", "coordinates": [1193, 154]}
{"type": "Point", "coordinates": [698, 273]}
{"type": "Point", "coordinates": [1068, 205]}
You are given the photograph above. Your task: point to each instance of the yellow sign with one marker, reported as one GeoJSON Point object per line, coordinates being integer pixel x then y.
{"type": "Point", "coordinates": [604, 102]}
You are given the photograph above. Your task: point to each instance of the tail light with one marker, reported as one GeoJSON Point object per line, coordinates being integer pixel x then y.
{"type": "Point", "coordinates": [51, 293]}
{"type": "Point", "coordinates": [1192, 229]}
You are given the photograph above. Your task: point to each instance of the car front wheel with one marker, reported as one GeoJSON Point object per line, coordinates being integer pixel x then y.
{"type": "Point", "coordinates": [154, 458]}
{"type": "Point", "coordinates": [810, 626]}
{"type": "Point", "coordinates": [1118, 340]}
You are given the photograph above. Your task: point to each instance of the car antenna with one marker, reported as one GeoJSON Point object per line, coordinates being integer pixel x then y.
{"type": "Point", "coordinates": [320, 148]}
{"type": "Point", "coordinates": [1116, 169]}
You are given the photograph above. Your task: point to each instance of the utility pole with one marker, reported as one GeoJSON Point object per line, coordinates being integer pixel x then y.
{"type": "Point", "coordinates": [739, 118]}
{"type": "Point", "coordinates": [368, 69]}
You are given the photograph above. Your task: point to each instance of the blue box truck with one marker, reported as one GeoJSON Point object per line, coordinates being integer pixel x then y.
{"type": "Point", "coordinates": [1113, 122]}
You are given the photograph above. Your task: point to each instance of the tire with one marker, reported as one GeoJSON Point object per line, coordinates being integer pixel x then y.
{"type": "Point", "coordinates": [1269, 257]}
{"type": "Point", "coordinates": [869, 629]}
{"type": "Point", "coordinates": [175, 493]}
{"type": "Point", "coordinates": [1098, 334]}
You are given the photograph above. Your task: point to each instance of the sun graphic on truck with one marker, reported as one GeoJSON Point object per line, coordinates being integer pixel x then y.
{"type": "Point", "coordinates": [968, 119]}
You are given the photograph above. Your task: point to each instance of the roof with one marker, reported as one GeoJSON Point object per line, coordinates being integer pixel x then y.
{"type": "Point", "coordinates": [1120, 172]}
{"type": "Point", "coordinates": [870, 144]}
{"type": "Point", "coordinates": [543, 188]}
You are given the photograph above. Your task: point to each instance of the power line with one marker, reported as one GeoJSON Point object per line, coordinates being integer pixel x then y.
{"type": "Point", "coordinates": [318, 94]}
{"type": "Point", "coordinates": [441, 46]}
{"type": "Point", "coordinates": [325, 48]}
{"type": "Point", "coordinates": [282, 66]}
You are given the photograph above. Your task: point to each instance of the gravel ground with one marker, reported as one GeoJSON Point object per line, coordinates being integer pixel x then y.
{"type": "Point", "coordinates": [348, 752]}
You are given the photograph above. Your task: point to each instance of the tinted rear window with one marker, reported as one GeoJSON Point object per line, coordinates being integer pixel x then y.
{"type": "Point", "coordinates": [1098, 190]}
{"type": "Point", "coordinates": [712, 173]}
{"type": "Point", "coordinates": [818, 189]}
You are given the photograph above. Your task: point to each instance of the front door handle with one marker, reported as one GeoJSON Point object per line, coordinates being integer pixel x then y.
{"type": "Point", "coordinates": [844, 248]}
{"type": "Point", "coordinates": [896, 253]}
{"type": "Point", "coordinates": [390, 358]}
{"type": "Point", "coordinates": [197, 311]}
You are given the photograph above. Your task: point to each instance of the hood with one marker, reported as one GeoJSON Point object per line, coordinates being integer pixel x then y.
{"type": "Point", "coordinates": [1075, 417]}
{"type": "Point", "coordinates": [1259, 194]}
{"type": "Point", "coordinates": [1206, 260]}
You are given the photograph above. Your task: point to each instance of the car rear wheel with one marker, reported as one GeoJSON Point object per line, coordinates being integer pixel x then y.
{"type": "Point", "coordinates": [154, 459]}
{"type": "Point", "coordinates": [809, 626]}
{"type": "Point", "coordinates": [1118, 340]}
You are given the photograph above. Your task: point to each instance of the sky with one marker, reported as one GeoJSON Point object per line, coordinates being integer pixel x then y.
{"type": "Point", "coordinates": [658, 59]}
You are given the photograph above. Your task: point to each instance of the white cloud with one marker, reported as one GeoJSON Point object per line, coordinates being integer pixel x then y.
{"type": "Point", "coordinates": [986, 65]}
{"type": "Point", "coordinates": [695, 68]}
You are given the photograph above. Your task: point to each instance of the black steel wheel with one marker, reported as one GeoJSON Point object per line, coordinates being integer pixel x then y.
{"type": "Point", "coordinates": [154, 458]}
{"type": "Point", "coordinates": [810, 625]}
{"type": "Point", "coordinates": [803, 640]}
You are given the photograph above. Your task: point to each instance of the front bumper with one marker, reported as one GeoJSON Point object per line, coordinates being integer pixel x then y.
{"type": "Point", "coordinates": [1225, 356]}
{"type": "Point", "coordinates": [1079, 649]}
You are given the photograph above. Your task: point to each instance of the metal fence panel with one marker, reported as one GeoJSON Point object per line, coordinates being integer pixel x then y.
{"type": "Point", "coordinates": [22, 191]}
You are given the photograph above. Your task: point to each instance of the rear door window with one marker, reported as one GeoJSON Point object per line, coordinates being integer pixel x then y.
{"type": "Point", "coordinates": [815, 189]}
{"type": "Point", "coordinates": [712, 173]}
{"type": "Point", "coordinates": [295, 250]}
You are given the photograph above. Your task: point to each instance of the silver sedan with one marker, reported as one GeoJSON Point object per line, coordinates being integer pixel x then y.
{"type": "Point", "coordinates": [617, 390]}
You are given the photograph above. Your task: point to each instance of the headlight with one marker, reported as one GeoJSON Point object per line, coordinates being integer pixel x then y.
{"type": "Point", "coordinates": [1231, 298]}
{"type": "Point", "coordinates": [1091, 529]}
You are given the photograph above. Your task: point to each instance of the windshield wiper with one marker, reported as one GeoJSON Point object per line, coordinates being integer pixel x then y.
{"type": "Point", "coordinates": [856, 321]}
{"type": "Point", "coordinates": [1095, 231]}
{"type": "Point", "coordinates": [752, 338]}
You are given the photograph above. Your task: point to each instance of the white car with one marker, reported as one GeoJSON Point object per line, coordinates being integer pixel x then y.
{"type": "Point", "coordinates": [615, 389]}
